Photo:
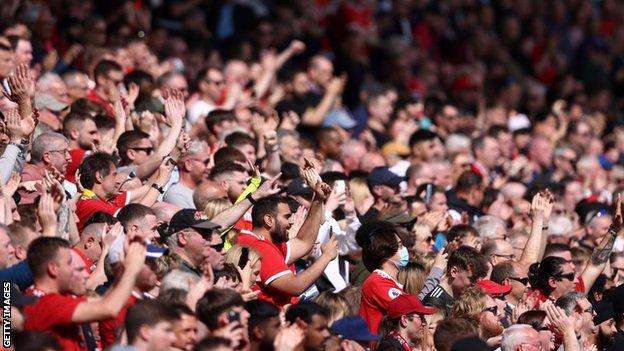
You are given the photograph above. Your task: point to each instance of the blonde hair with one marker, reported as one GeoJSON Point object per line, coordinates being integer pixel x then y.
{"type": "Point", "coordinates": [215, 206]}
{"type": "Point", "coordinates": [412, 277]}
{"type": "Point", "coordinates": [235, 252]}
{"type": "Point", "coordinates": [421, 230]}
{"type": "Point", "coordinates": [470, 304]}
{"type": "Point", "coordinates": [336, 304]}
{"type": "Point", "coordinates": [353, 295]}
{"type": "Point", "coordinates": [359, 190]}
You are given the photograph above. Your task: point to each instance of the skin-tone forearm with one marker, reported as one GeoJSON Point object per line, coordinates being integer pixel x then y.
{"type": "Point", "coordinates": [315, 117]}
{"type": "Point", "coordinates": [598, 261]}
{"type": "Point", "coordinates": [295, 285]}
{"type": "Point", "coordinates": [304, 242]}
{"type": "Point", "coordinates": [109, 305]}
{"type": "Point", "coordinates": [228, 217]}
{"type": "Point", "coordinates": [98, 276]}
{"type": "Point", "coordinates": [536, 244]}
{"type": "Point", "coordinates": [273, 163]}
{"type": "Point", "coordinates": [264, 82]}
{"type": "Point", "coordinates": [570, 343]}
{"type": "Point", "coordinates": [74, 235]}
{"type": "Point", "coordinates": [148, 167]}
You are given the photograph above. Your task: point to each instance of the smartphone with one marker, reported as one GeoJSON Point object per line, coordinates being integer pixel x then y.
{"type": "Point", "coordinates": [234, 316]}
{"type": "Point", "coordinates": [340, 186]}
{"type": "Point", "coordinates": [244, 258]}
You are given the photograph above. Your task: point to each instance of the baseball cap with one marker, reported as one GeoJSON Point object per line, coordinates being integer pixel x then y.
{"type": "Point", "coordinates": [383, 176]}
{"type": "Point", "coordinates": [48, 102]}
{"type": "Point", "coordinates": [339, 118]}
{"type": "Point", "coordinates": [604, 311]}
{"type": "Point", "coordinates": [190, 218]}
{"type": "Point", "coordinates": [493, 288]}
{"type": "Point", "coordinates": [407, 304]}
{"type": "Point", "coordinates": [353, 328]}
{"type": "Point", "coordinates": [395, 148]}
{"type": "Point", "coordinates": [398, 217]}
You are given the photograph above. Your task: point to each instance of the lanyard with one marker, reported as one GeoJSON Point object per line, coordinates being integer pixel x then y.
{"type": "Point", "coordinates": [401, 340]}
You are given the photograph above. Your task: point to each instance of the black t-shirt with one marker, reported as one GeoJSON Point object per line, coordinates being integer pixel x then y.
{"type": "Point", "coordinates": [300, 105]}
{"type": "Point", "coordinates": [440, 299]}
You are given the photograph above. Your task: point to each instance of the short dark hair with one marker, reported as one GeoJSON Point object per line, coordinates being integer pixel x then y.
{"type": "Point", "coordinates": [260, 312]}
{"type": "Point", "coordinates": [132, 212]}
{"type": "Point", "coordinates": [223, 168]}
{"type": "Point", "coordinates": [218, 116]}
{"type": "Point", "coordinates": [104, 67]}
{"type": "Point", "coordinates": [104, 123]}
{"type": "Point", "coordinates": [126, 139]}
{"type": "Point", "coordinates": [267, 205]}
{"type": "Point", "coordinates": [305, 310]}
{"type": "Point", "coordinates": [212, 343]}
{"type": "Point", "coordinates": [98, 162]}
{"type": "Point", "coordinates": [214, 302]}
{"type": "Point", "coordinates": [468, 258]}
{"type": "Point", "coordinates": [101, 217]}
{"type": "Point", "coordinates": [468, 181]}
{"type": "Point", "coordinates": [420, 136]}
{"type": "Point", "coordinates": [534, 318]}
{"type": "Point", "coordinates": [74, 119]}
{"type": "Point", "coordinates": [43, 250]}
{"type": "Point", "coordinates": [381, 245]}
{"type": "Point", "coordinates": [501, 271]}
{"type": "Point", "coordinates": [138, 77]}
{"type": "Point", "coordinates": [555, 247]}
{"type": "Point", "coordinates": [229, 154]}
{"type": "Point", "coordinates": [228, 271]}
{"type": "Point", "coordinates": [460, 231]}
{"type": "Point", "coordinates": [450, 330]}
{"type": "Point", "coordinates": [34, 340]}
{"type": "Point", "coordinates": [239, 139]}
{"type": "Point", "coordinates": [146, 312]}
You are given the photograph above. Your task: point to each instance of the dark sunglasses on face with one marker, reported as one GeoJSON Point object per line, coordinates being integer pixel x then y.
{"type": "Point", "coordinates": [218, 247]}
{"type": "Point", "coordinates": [568, 276]}
{"type": "Point", "coordinates": [493, 309]}
{"type": "Point", "coordinates": [148, 150]}
{"type": "Point", "coordinates": [523, 281]}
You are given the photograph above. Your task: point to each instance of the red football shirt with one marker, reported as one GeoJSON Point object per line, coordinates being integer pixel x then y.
{"type": "Point", "coordinates": [52, 314]}
{"type": "Point", "coordinates": [273, 266]}
{"type": "Point", "coordinates": [109, 327]}
{"type": "Point", "coordinates": [539, 297]}
{"type": "Point", "coordinates": [378, 290]}
{"type": "Point", "coordinates": [86, 206]}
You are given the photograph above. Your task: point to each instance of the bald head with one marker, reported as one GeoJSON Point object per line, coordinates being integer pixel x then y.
{"type": "Point", "coordinates": [164, 211]}
{"type": "Point", "coordinates": [207, 190]}
{"type": "Point", "coordinates": [371, 160]}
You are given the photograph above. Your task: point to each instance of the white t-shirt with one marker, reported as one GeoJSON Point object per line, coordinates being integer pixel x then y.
{"type": "Point", "coordinates": [199, 109]}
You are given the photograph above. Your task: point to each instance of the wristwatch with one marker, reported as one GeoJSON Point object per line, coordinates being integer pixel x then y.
{"type": "Point", "coordinates": [158, 187]}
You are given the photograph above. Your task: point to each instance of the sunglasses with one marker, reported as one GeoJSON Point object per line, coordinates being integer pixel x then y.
{"type": "Point", "coordinates": [218, 247]}
{"type": "Point", "coordinates": [148, 150]}
{"type": "Point", "coordinates": [493, 309]}
{"type": "Point", "coordinates": [568, 276]}
{"type": "Point", "coordinates": [542, 328]}
{"type": "Point", "coordinates": [523, 281]}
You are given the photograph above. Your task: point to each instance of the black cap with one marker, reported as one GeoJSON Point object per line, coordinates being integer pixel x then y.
{"type": "Point", "coordinates": [190, 218]}
{"type": "Point", "coordinates": [618, 301]}
{"type": "Point", "coordinates": [299, 187]}
{"type": "Point", "coordinates": [383, 176]}
{"type": "Point", "coordinates": [604, 311]}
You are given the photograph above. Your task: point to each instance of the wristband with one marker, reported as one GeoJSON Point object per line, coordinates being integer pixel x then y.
{"type": "Point", "coordinates": [545, 228]}
{"type": "Point", "coordinates": [159, 188]}
{"type": "Point", "coordinates": [251, 199]}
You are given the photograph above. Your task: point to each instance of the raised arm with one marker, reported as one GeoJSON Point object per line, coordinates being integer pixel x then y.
{"type": "Point", "coordinates": [174, 111]}
{"type": "Point", "coordinates": [296, 285]}
{"type": "Point", "coordinates": [599, 258]}
{"type": "Point", "coordinates": [305, 239]}
{"type": "Point", "coordinates": [110, 305]}
{"type": "Point", "coordinates": [314, 117]}
{"type": "Point", "coordinates": [541, 207]}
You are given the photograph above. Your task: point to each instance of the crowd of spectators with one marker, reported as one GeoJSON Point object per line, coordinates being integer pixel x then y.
{"type": "Point", "coordinates": [340, 175]}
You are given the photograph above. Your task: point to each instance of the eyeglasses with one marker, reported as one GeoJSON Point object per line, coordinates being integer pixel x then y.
{"type": "Point", "coordinates": [423, 320]}
{"type": "Point", "coordinates": [493, 309]}
{"type": "Point", "coordinates": [568, 276]}
{"type": "Point", "coordinates": [147, 150]}
{"type": "Point", "coordinates": [523, 281]}
{"type": "Point", "coordinates": [589, 310]}
{"type": "Point", "coordinates": [61, 151]}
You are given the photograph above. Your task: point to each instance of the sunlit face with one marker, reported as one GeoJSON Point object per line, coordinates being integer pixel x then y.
{"type": "Point", "coordinates": [88, 135]}
{"type": "Point", "coordinates": [317, 332]}
{"type": "Point", "coordinates": [438, 202]}
{"type": "Point", "coordinates": [185, 330]}
{"type": "Point", "coordinates": [161, 336]}
{"type": "Point", "coordinates": [281, 223]}
{"type": "Point", "coordinates": [7, 252]}
{"type": "Point", "coordinates": [59, 156]}
{"type": "Point", "coordinates": [64, 270]}
{"type": "Point", "coordinates": [110, 183]}
{"type": "Point", "coordinates": [6, 63]}
{"type": "Point", "coordinates": [24, 52]}
{"type": "Point", "coordinates": [140, 151]}
{"type": "Point", "coordinates": [80, 275]}
{"type": "Point", "coordinates": [235, 184]}
{"type": "Point", "coordinates": [214, 251]}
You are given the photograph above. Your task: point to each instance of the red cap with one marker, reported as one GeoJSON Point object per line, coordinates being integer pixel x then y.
{"type": "Point", "coordinates": [493, 288]}
{"type": "Point", "coordinates": [407, 304]}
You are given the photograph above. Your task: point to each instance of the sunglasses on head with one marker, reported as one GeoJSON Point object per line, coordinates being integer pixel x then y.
{"type": "Point", "coordinates": [493, 309]}
{"type": "Point", "coordinates": [523, 281]}
{"type": "Point", "coordinates": [568, 276]}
